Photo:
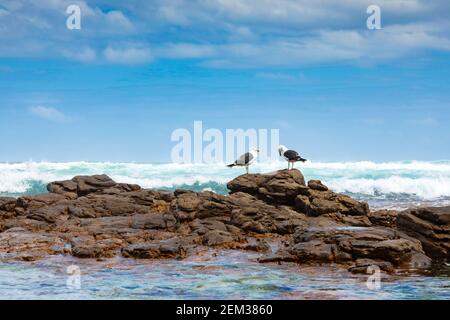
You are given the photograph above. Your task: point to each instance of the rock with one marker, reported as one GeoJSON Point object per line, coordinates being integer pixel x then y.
{"type": "Point", "coordinates": [48, 213]}
{"type": "Point", "coordinates": [84, 185]}
{"type": "Point", "coordinates": [187, 202]}
{"type": "Point", "coordinates": [313, 251]}
{"type": "Point", "coordinates": [256, 216]}
{"type": "Point", "coordinates": [317, 185]}
{"type": "Point", "coordinates": [22, 244]}
{"type": "Point", "coordinates": [218, 238]}
{"type": "Point", "coordinates": [279, 187]}
{"type": "Point", "coordinates": [95, 217]}
{"type": "Point", "coordinates": [258, 245]}
{"type": "Point", "coordinates": [89, 247]}
{"type": "Point", "coordinates": [364, 265]}
{"type": "Point", "coordinates": [40, 200]}
{"type": "Point", "coordinates": [431, 226]}
{"type": "Point", "coordinates": [316, 203]}
{"type": "Point", "coordinates": [417, 261]}
{"type": "Point", "coordinates": [280, 256]}
{"type": "Point", "coordinates": [62, 187]}
{"type": "Point", "coordinates": [341, 245]}
{"type": "Point", "coordinates": [165, 249]}
{"type": "Point", "coordinates": [7, 204]}
{"type": "Point", "coordinates": [202, 226]}
{"type": "Point", "coordinates": [386, 218]}
{"type": "Point", "coordinates": [392, 250]}
{"type": "Point", "coordinates": [357, 221]}
{"type": "Point", "coordinates": [153, 221]}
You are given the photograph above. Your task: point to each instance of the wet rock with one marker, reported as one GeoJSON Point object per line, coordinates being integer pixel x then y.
{"type": "Point", "coordinates": [163, 250]}
{"type": "Point", "coordinates": [313, 251]}
{"type": "Point", "coordinates": [386, 218]}
{"type": "Point", "coordinates": [341, 245]}
{"type": "Point", "coordinates": [258, 245]}
{"type": "Point", "coordinates": [280, 256]}
{"type": "Point", "coordinates": [417, 260]}
{"type": "Point", "coordinates": [366, 266]}
{"type": "Point", "coordinates": [431, 226]}
{"type": "Point", "coordinates": [89, 247]}
{"type": "Point", "coordinates": [21, 244]}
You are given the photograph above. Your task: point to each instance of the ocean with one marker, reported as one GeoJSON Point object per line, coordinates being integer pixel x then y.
{"type": "Point", "coordinates": [226, 274]}
{"type": "Point", "coordinates": [395, 185]}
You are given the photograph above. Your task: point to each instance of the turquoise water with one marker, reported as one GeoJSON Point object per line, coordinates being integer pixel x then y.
{"type": "Point", "coordinates": [229, 275]}
{"type": "Point", "coordinates": [383, 185]}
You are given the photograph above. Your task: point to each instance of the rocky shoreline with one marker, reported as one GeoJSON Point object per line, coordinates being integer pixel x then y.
{"type": "Point", "coordinates": [278, 215]}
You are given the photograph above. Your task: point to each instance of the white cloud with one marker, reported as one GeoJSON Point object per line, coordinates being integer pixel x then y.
{"type": "Point", "coordinates": [48, 113]}
{"type": "Point", "coordinates": [118, 19]}
{"type": "Point", "coordinates": [129, 55]}
{"type": "Point", "coordinates": [84, 55]}
{"type": "Point", "coordinates": [234, 33]}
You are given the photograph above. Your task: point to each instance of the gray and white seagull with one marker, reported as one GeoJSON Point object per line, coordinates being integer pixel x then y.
{"type": "Point", "coordinates": [291, 156]}
{"type": "Point", "coordinates": [246, 159]}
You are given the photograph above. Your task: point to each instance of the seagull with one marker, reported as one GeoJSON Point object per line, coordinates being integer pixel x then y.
{"type": "Point", "coordinates": [246, 159]}
{"type": "Point", "coordinates": [290, 156]}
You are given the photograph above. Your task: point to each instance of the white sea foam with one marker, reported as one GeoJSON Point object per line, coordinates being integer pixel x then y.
{"type": "Point", "coordinates": [424, 188]}
{"type": "Point", "coordinates": [427, 180]}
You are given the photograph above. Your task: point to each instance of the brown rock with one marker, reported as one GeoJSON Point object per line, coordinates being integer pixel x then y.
{"type": "Point", "coordinates": [165, 249]}
{"type": "Point", "coordinates": [386, 218]}
{"type": "Point", "coordinates": [363, 265]}
{"type": "Point", "coordinates": [153, 221]}
{"type": "Point", "coordinates": [317, 185]}
{"type": "Point", "coordinates": [429, 225]}
{"type": "Point", "coordinates": [279, 187]}
{"type": "Point", "coordinates": [89, 247]}
{"type": "Point", "coordinates": [218, 238]}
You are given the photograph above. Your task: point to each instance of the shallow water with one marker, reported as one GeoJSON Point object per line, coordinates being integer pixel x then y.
{"type": "Point", "coordinates": [228, 275]}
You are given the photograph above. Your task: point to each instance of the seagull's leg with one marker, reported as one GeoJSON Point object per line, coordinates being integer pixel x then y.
{"type": "Point", "coordinates": [246, 169]}
{"type": "Point", "coordinates": [293, 165]}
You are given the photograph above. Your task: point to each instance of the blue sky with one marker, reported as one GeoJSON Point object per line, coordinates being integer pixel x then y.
{"type": "Point", "coordinates": [117, 88]}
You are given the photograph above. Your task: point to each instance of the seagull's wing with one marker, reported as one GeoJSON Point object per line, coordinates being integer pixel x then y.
{"type": "Point", "coordinates": [245, 158]}
{"type": "Point", "coordinates": [291, 155]}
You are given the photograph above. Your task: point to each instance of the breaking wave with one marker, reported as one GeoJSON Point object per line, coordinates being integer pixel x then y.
{"type": "Point", "coordinates": [412, 181]}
